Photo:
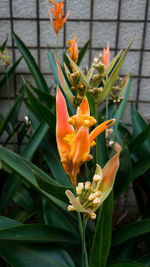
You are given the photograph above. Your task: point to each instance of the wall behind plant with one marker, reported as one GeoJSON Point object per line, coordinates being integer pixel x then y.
{"type": "Point", "coordinates": [103, 21]}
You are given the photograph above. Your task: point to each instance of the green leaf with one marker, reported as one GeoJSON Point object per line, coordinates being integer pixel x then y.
{"type": "Point", "coordinates": [27, 255]}
{"type": "Point", "coordinates": [44, 96]}
{"type": "Point", "coordinates": [140, 167]}
{"type": "Point", "coordinates": [123, 175]}
{"type": "Point", "coordinates": [7, 222]}
{"type": "Point", "coordinates": [123, 104]}
{"type": "Point", "coordinates": [24, 169]}
{"type": "Point", "coordinates": [57, 218]}
{"type": "Point", "coordinates": [126, 264]}
{"type": "Point", "coordinates": [139, 124]}
{"type": "Point", "coordinates": [143, 137]}
{"type": "Point", "coordinates": [49, 149]}
{"type": "Point", "coordinates": [12, 114]}
{"type": "Point", "coordinates": [30, 148]}
{"type": "Point", "coordinates": [113, 76]}
{"type": "Point", "coordinates": [38, 77]}
{"type": "Point", "coordinates": [83, 51]}
{"type": "Point", "coordinates": [102, 235]}
{"type": "Point", "coordinates": [42, 111]}
{"type": "Point", "coordinates": [131, 231]}
{"type": "Point", "coordinates": [50, 188]}
{"type": "Point", "coordinates": [102, 155]}
{"type": "Point", "coordinates": [4, 80]}
{"type": "Point", "coordinates": [37, 233]}
{"type": "Point", "coordinates": [3, 46]}
{"type": "Point", "coordinates": [145, 259]}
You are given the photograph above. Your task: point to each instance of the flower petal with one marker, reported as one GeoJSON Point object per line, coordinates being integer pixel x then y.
{"type": "Point", "coordinates": [100, 128]}
{"type": "Point", "coordinates": [84, 107]}
{"type": "Point", "coordinates": [76, 204]}
{"type": "Point", "coordinates": [63, 127]}
{"type": "Point", "coordinates": [109, 173]}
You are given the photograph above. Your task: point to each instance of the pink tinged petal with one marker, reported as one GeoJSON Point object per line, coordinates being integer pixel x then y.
{"type": "Point", "coordinates": [66, 16]}
{"type": "Point", "coordinates": [84, 107]}
{"type": "Point", "coordinates": [50, 15]}
{"type": "Point", "coordinates": [100, 128]}
{"type": "Point", "coordinates": [62, 126]}
{"type": "Point", "coordinates": [109, 174]}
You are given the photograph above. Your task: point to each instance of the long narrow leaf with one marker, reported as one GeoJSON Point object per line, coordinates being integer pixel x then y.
{"type": "Point", "coordinates": [38, 77]}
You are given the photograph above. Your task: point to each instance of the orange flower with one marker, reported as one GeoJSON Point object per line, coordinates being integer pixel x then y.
{"type": "Point", "coordinates": [106, 58]}
{"type": "Point", "coordinates": [73, 49]}
{"type": "Point", "coordinates": [72, 133]}
{"type": "Point", "coordinates": [59, 21]}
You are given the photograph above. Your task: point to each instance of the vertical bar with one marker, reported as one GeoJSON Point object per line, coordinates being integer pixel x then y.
{"type": "Point", "coordinates": [38, 33]}
{"type": "Point", "coordinates": [142, 53]}
{"type": "Point", "coordinates": [91, 31]}
{"type": "Point", "coordinates": [118, 27]}
{"type": "Point", "coordinates": [13, 45]}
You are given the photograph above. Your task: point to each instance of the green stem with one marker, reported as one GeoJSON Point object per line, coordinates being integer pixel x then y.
{"type": "Point", "coordinates": [82, 227]}
{"type": "Point", "coordinates": [106, 108]}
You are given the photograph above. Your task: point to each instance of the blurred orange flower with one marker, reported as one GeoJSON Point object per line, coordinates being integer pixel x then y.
{"type": "Point", "coordinates": [72, 133]}
{"type": "Point", "coordinates": [59, 19]}
{"type": "Point", "coordinates": [73, 49]}
{"type": "Point", "coordinates": [106, 57]}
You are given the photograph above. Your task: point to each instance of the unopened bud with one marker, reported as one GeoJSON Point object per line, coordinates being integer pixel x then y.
{"type": "Point", "coordinates": [96, 200]}
{"type": "Point", "coordinates": [92, 196]}
{"type": "Point", "coordinates": [78, 190]}
{"type": "Point", "coordinates": [92, 215]}
{"type": "Point", "coordinates": [71, 208]}
{"type": "Point", "coordinates": [98, 193]}
{"type": "Point", "coordinates": [87, 185]}
{"type": "Point", "coordinates": [96, 178]}
{"type": "Point", "coordinates": [81, 185]}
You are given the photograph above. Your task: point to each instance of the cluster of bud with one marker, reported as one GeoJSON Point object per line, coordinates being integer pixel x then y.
{"type": "Point", "coordinates": [5, 58]}
{"type": "Point", "coordinates": [116, 92]}
{"type": "Point", "coordinates": [89, 196]}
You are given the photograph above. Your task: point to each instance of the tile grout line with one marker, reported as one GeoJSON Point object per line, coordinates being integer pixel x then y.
{"type": "Point", "coordinates": [141, 54]}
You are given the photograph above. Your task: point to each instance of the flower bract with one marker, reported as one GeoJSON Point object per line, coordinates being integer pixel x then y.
{"type": "Point", "coordinates": [73, 137]}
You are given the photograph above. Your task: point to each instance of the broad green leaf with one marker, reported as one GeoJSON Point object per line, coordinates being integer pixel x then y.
{"type": "Point", "coordinates": [131, 231]}
{"type": "Point", "coordinates": [57, 218]}
{"type": "Point", "coordinates": [30, 148]}
{"type": "Point", "coordinates": [102, 155]}
{"type": "Point", "coordinates": [122, 107]}
{"type": "Point", "coordinates": [141, 138]}
{"type": "Point", "coordinates": [7, 222]}
{"type": "Point", "coordinates": [41, 110]}
{"type": "Point", "coordinates": [91, 102]}
{"type": "Point", "coordinates": [38, 77]}
{"type": "Point", "coordinates": [44, 96]}
{"type": "Point", "coordinates": [24, 200]}
{"type": "Point", "coordinates": [140, 167]}
{"type": "Point", "coordinates": [3, 81]}
{"type": "Point", "coordinates": [37, 233]}
{"type": "Point", "coordinates": [123, 135]}
{"type": "Point", "coordinates": [24, 169]}
{"type": "Point", "coordinates": [49, 149]}
{"type": "Point", "coordinates": [51, 188]}
{"type": "Point", "coordinates": [83, 51]}
{"type": "Point", "coordinates": [102, 236]}
{"type": "Point", "coordinates": [112, 78]}
{"type": "Point", "coordinates": [27, 255]}
{"type": "Point", "coordinates": [139, 124]}
{"type": "Point", "coordinates": [12, 114]}
{"type": "Point", "coordinates": [123, 174]}
{"type": "Point", "coordinates": [126, 264]}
